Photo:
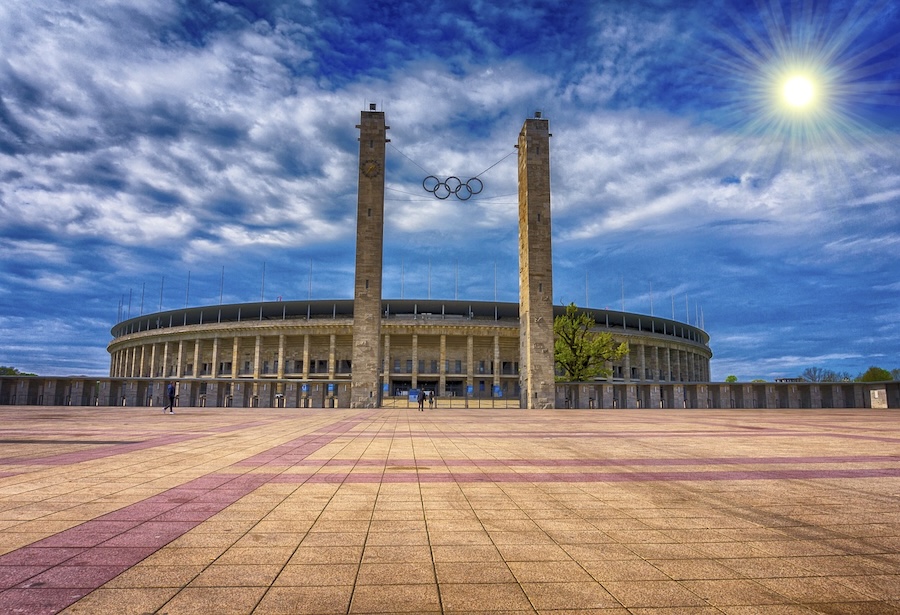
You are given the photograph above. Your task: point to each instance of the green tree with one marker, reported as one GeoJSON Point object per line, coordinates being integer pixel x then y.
{"type": "Point", "coordinates": [731, 378]}
{"type": "Point", "coordinates": [580, 352]}
{"type": "Point", "coordinates": [12, 371]}
{"type": "Point", "coordinates": [875, 374]}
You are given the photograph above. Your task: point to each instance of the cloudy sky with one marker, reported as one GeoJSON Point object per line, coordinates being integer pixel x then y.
{"type": "Point", "coordinates": [159, 153]}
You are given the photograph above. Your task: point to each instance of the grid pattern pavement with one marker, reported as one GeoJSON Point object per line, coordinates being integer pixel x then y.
{"type": "Point", "coordinates": [128, 510]}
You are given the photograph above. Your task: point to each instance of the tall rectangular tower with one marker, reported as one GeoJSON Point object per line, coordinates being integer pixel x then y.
{"type": "Point", "coordinates": [536, 355]}
{"type": "Point", "coordinates": [365, 389]}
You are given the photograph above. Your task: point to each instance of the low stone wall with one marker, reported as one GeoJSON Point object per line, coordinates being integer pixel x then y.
{"type": "Point", "coordinates": [289, 393]}
{"type": "Point", "coordinates": [763, 395]}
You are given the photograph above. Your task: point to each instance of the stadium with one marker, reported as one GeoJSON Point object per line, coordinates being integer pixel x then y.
{"type": "Point", "coordinates": [299, 353]}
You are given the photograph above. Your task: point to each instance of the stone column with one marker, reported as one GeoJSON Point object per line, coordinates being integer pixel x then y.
{"type": "Point", "coordinates": [642, 359]}
{"type": "Point", "coordinates": [415, 361]}
{"type": "Point", "coordinates": [332, 356]}
{"type": "Point", "coordinates": [196, 372]}
{"type": "Point", "coordinates": [179, 364]}
{"type": "Point", "coordinates": [536, 354]}
{"type": "Point", "coordinates": [235, 357]}
{"type": "Point", "coordinates": [214, 366]}
{"type": "Point", "coordinates": [496, 370]}
{"type": "Point", "coordinates": [305, 374]}
{"type": "Point", "coordinates": [365, 391]}
{"type": "Point", "coordinates": [386, 363]}
{"type": "Point", "coordinates": [442, 367]}
{"type": "Point", "coordinates": [279, 388]}
{"type": "Point", "coordinates": [470, 361]}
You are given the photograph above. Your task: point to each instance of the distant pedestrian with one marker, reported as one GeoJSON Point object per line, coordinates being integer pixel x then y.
{"type": "Point", "coordinates": [170, 390]}
{"type": "Point", "coordinates": [431, 400]}
{"type": "Point", "coordinates": [420, 397]}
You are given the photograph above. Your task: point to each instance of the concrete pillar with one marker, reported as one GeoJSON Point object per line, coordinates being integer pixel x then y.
{"type": "Point", "coordinates": [151, 369]}
{"type": "Point", "coordinates": [179, 362]}
{"type": "Point", "coordinates": [442, 367]}
{"type": "Point", "coordinates": [415, 361]}
{"type": "Point", "coordinates": [214, 366]}
{"type": "Point", "coordinates": [197, 343]}
{"type": "Point", "coordinates": [386, 361]}
{"type": "Point", "coordinates": [279, 388]}
{"type": "Point", "coordinates": [305, 374]}
{"type": "Point", "coordinates": [642, 359]}
{"type": "Point", "coordinates": [365, 390]}
{"type": "Point", "coordinates": [235, 357]}
{"type": "Point", "coordinates": [536, 353]}
{"type": "Point", "coordinates": [332, 356]}
{"type": "Point", "coordinates": [626, 368]}
{"type": "Point", "coordinates": [470, 361]}
{"type": "Point", "coordinates": [496, 370]}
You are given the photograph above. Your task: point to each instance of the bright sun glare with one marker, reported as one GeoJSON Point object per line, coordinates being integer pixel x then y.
{"type": "Point", "coordinates": [798, 91]}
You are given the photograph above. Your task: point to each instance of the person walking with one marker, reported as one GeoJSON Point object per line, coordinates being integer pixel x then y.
{"type": "Point", "coordinates": [170, 390]}
{"type": "Point", "coordinates": [431, 400]}
{"type": "Point", "coordinates": [420, 397]}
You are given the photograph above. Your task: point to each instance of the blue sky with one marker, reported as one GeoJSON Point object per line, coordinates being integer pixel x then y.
{"type": "Point", "coordinates": [187, 151]}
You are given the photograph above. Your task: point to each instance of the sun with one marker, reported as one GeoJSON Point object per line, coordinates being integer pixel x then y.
{"type": "Point", "coordinates": [802, 79]}
{"type": "Point", "coordinates": [798, 91]}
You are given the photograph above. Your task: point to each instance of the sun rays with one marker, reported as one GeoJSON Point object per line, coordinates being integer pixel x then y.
{"type": "Point", "coordinates": [801, 82]}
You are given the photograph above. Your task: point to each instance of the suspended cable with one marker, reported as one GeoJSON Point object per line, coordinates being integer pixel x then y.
{"type": "Point", "coordinates": [394, 147]}
{"type": "Point", "coordinates": [496, 163]}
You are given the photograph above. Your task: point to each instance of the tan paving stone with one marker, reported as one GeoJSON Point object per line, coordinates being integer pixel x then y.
{"type": "Point", "coordinates": [470, 597]}
{"type": "Point", "coordinates": [396, 574]}
{"type": "Point", "coordinates": [557, 571]}
{"type": "Point", "coordinates": [724, 592]}
{"type": "Point", "coordinates": [396, 553]}
{"type": "Point", "coordinates": [132, 601]}
{"type": "Point", "coordinates": [155, 577]}
{"type": "Point", "coordinates": [395, 599]}
{"type": "Point", "coordinates": [572, 595]}
{"type": "Point", "coordinates": [311, 575]}
{"type": "Point", "coordinates": [237, 575]}
{"type": "Point", "coordinates": [652, 593]}
{"type": "Point", "coordinates": [219, 600]}
{"type": "Point", "coordinates": [473, 572]}
{"type": "Point", "coordinates": [623, 570]}
{"type": "Point", "coordinates": [305, 600]}
{"type": "Point", "coordinates": [326, 555]}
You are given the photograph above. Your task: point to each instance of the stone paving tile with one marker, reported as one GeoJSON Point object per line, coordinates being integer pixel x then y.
{"type": "Point", "coordinates": [457, 511]}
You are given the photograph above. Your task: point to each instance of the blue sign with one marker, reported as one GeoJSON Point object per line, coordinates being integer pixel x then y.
{"type": "Point", "coordinates": [414, 395]}
{"type": "Point", "coordinates": [304, 387]}
{"type": "Point", "coordinates": [497, 391]}
{"type": "Point", "coordinates": [470, 390]}
{"type": "Point", "coordinates": [331, 387]}
{"type": "Point", "coordinates": [386, 388]}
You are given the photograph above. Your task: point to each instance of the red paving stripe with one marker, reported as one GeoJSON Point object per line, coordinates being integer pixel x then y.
{"type": "Point", "coordinates": [429, 476]}
{"type": "Point", "coordinates": [631, 435]}
{"type": "Point", "coordinates": [101, 451]}
{"type": "Point", "coordinates": [677, 461]}
{"type": "Point", "coordinates": [50, 574]}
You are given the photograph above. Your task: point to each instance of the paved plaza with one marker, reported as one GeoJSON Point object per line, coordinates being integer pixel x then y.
{"type": "Point", "coordinates": [216, 511]}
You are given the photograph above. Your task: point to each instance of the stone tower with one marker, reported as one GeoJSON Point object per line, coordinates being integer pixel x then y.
{"type": "Point", "coordinates": [536, 356]}
{"type": "Point", "coordinates": [365, 389]}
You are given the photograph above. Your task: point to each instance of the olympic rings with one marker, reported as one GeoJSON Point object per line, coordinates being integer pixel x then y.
{"type": "Point", "coordinates": [452, 185]}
